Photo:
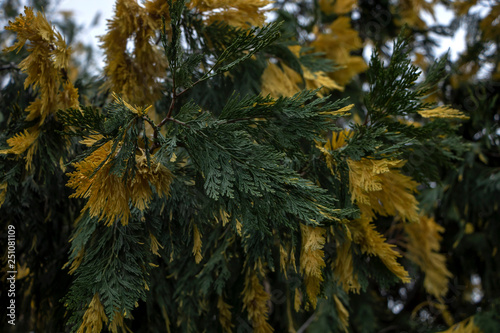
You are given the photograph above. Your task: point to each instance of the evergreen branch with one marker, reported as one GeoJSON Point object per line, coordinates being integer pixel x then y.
{"type": "Point", "coordinates": [151, 122]}
{"type": "Point", "coordinates": [248, 42]}
{"type": "Point", "coordinates": [190, 87]}
{"type": "Point", "coordinates": [172, 103]}
{"type": "Point", "coordinates": [172, 120]}
{"type": "Point", "coordinates": [156, 128]}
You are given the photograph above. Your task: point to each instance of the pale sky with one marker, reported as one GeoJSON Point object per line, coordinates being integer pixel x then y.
{"type": "Point", "coordinates": [456, 44]}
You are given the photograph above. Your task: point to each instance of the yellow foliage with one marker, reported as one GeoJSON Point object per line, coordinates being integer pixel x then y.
{"type": "Point", "coordinates": [373, 243]}
{"type": "Point", "coordinates": [344, 268]}
{"type": "Point", "coordinates": [314, 80]}
{"type": "Point", "coordinates": [340, 112]}
{"type": "Point", "coordinates": [3, 193]}
{"type": "Point", "coordinates": [238, 13]}
{"type": "Point", "coordinates": [133, 108]}
{"type": "Point", "coordinates": [68, 97]}
{"type": "Point", "coordinates": [297, 300]}
{"type": "Point", "coordinates": [443, 112]}
{"type": "Point", "coordinates": [76, 262]}
{"type": "Point", "coordinates": [155, 245]}
{"type": "Point", "coordinates": [283, 259]}
{"type": "Point", "coordinates": [287, 259]}
{"type": "Point", "coordinates": [222, 217]}
{"type": "Point", "coordinates": [238, 228]}
{"type": "Point", "coordinates": [108, 195]}
{"type": "Point", "coordinates": [47, 60]}
{"type": "Point", "coordinates": [364, 178]}
{"type": "Point", "coordinates": [350, 68]}
{"type": "Point", "coordinates": [465, 326]}
{"type": "Point", "coordinates": [337, 43]}
{"type": "Point", "coordinates": [342, 36]}
{"type": "Point", "coordinates": [21, 142]}
{"type": "Point", "coordinates": [319, 79]}
{"type": "Point", "coordinates": [255, 301]}
{"type": "Point", "coordinates": [286, 82]}
{"type": "Point", "coordinates": [224, 315]}
{"type": "Point", "coordinates": [423, 246]}
{"type": "Point", "coordinates": [311, 260]}
{"type": "Point", "coordinates": [409, 11]}
{"type": "Point", "coordinates": [337, 141]}
{"type": "Point", "coordinates": [117, 323]}
{"type": "Point", "coordinates": [197, 243]}
{"type": "Point", "coordinates": [378, 187]}
{"type": "Point", "coordinates": [278, 83]}
{"type": "Point", "coordinates": [156, 176]}
{"type": "Point", "coordinates": [490, 25]}
{"type": "Point", "coordinates": [342, 314]}
{"type": "Point", "coordinates": [135, 75]}
{"type": "Point", "coordinates": [165, 316]}
{"type": "Point", "coordinates": [337, 6]}
{"type": "Point", "coordinates": [22, 271]}
{"type": "Point", "coordinates": [94, 317]}
{"type": "Point", "coordinates": [48, 54]}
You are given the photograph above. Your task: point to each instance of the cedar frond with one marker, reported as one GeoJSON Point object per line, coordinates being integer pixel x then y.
{"type": "Point", "coordinates": [311, 260]}
{"type": "Point", "coordinates": [342, 314]}
{"type": "Point", "coordinates": [373, 243]}
{"type": "Point", "coordinates": [344, 268]}
{"type": "Point", "coordinates": [108, 195]}
{"type": "Point", "coordinates": [423, 246]}
{"type": "Point", "coordinates": [117, 323]}
{"type": "Point", "coordinates": [135, 75]}
{"type": "Point", "coordinates": [238, 13]}
{"type": "Point", "coordinates": [197, 243]}
{"type": "Point", "coordinates": [255, 301]}
{"type": "Point", "coordinates": [94, 317]}
{"type": "Point", "coordinates": [378, 186]}
{"type": "Point", "coordinates": [277, 82]}
{"type": "Point", "coordinates": [224, 315]}
{"type": "Point", "coordinates": [155, 245]}
{"type": "Point", "coordinates": [443, 112]}
{"type": "Point", "coordinates": [48, 54]}
{"type": "Point", "coordinates": [24, 141]}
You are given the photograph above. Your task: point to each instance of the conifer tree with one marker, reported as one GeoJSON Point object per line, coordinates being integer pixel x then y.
{"type": "Point", "coordinates": [241, 168]}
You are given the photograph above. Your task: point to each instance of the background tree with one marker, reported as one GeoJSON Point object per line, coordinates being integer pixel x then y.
{"type": "Point", "coordinates": [228, 175]}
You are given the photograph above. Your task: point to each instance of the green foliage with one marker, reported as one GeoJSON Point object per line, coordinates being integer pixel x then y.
{"type": "Point", "coordinates": [237, 211]}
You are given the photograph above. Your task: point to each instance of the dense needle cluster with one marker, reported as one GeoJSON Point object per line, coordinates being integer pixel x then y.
{"type": "Point", "coordinates": [218, 186]}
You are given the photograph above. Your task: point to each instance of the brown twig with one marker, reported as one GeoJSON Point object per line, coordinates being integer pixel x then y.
{"type": "Point", "coordinates": [156, 129]}
{"type": "Point", "coordinates": [172, 120]}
